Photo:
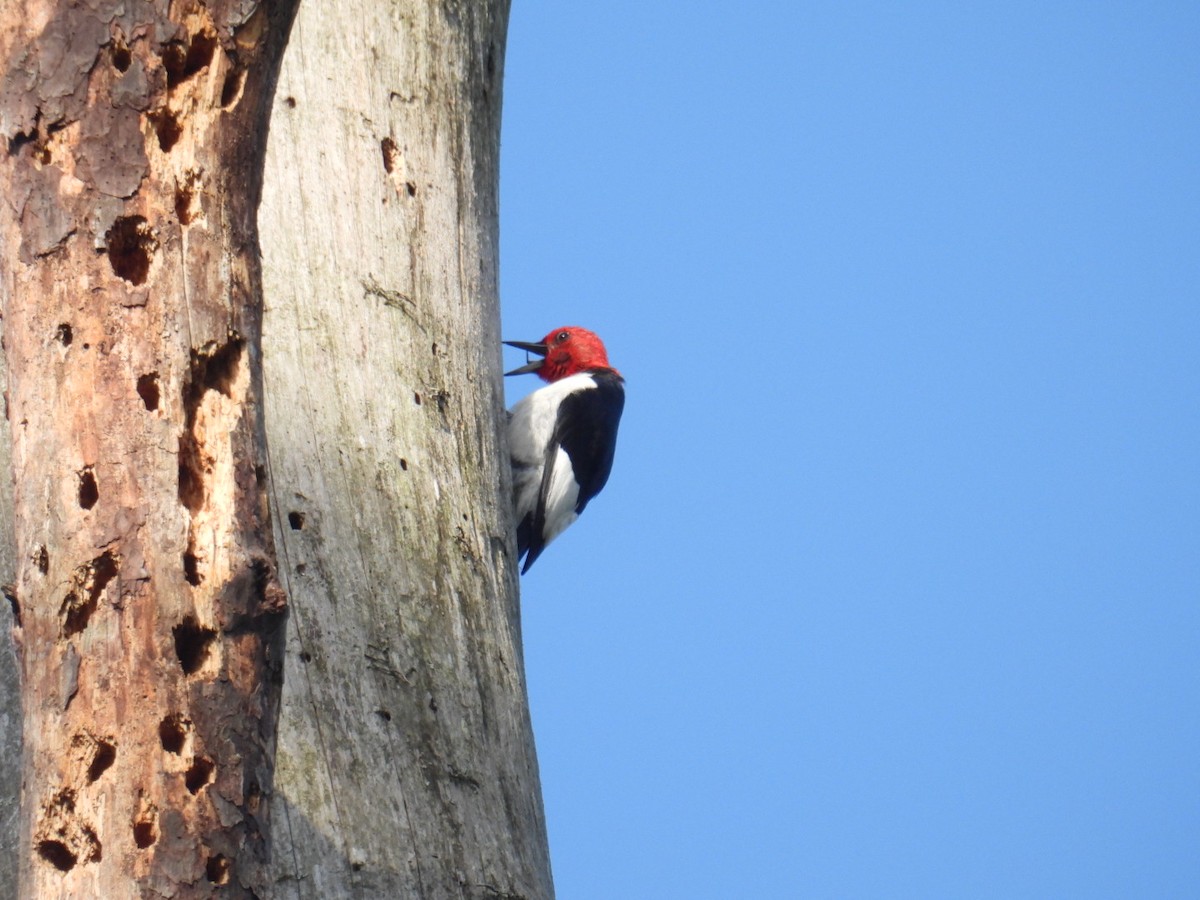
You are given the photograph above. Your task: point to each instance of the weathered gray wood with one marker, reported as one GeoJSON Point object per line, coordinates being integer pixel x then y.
{"type": "Point", "coordinates": [10, 685]}
{"type": "Point", "coordinates": [405, 763]}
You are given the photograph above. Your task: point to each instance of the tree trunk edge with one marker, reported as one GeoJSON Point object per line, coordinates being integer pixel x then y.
{"type": "Point", "coordinates": [10, 673]}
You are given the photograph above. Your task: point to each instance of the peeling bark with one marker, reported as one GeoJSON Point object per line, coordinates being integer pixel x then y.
{"type": "Point", "coordinates": [151, 619]}
{"type": "Point", "coordinates": [406, 765]}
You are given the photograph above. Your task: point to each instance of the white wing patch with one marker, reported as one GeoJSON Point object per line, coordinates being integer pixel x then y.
{"type": "Point", "coordinates": [561, 497]}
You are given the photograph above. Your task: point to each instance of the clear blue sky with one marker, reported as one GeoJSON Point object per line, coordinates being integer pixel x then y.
{"type": "Point", "coordinates": [895, 589]}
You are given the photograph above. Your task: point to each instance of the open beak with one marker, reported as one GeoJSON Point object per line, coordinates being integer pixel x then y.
{"type": "Point", "coordinates": [539, 349]}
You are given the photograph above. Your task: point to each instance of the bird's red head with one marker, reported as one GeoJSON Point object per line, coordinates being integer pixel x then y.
{"type": "Point", "coordinates": [567, 351]}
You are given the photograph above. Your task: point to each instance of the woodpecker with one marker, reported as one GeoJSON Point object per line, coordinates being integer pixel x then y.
{"type": "Point", "coordinates": [562, 436]}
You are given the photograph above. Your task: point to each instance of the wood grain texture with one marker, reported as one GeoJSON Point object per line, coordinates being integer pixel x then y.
{"type": "Point", "coordinates": [150, 634]}
{"type": "Point", "coordinates": [406, 765]}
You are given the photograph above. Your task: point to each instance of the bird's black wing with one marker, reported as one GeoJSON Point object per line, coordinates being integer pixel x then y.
{"type": "Point", "coordinates": [586, 429]}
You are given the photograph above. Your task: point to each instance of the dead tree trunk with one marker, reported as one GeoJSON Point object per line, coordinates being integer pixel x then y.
{"type": "Point", "coordinates": [406, 765]}
{"type": "Point", "coordinates": [150, 617]}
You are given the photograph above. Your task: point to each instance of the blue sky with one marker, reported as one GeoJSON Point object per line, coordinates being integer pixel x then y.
{"type": "Point", "coordinates": [895, 588]}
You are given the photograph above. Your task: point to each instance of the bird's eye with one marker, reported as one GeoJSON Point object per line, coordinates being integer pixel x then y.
{"type": "Point", "coordinates": [562, 336]}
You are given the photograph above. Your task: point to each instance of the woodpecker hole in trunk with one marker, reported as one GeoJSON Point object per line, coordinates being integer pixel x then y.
{"type": "Point", "coordinates": [199, 774]}
{"type": "Point", "coordinates": [172, 733]}
{"type": "Point", "coordinates": [193, 644]}
{"type": "Point", "coordinates": [89, 493]}
{"type": "Point", "coordinates": [183, 61]}
{"type": "Point", "coordinates": [145, 833]}
{"type": "Point", "coordinates": [105, 756]}
{"type": "Point", "coordinates": [216, 870]}
{"type": "Point", "coordinates": [147, 388]}
{"type": "Point", "coordinates": [57, 854]}
{"type": "Point", "coordinates": [130, 246]}
{"type": "Point", "coordinates": [167, 127]}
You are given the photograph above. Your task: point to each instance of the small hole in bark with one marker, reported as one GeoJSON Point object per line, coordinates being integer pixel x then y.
{"type": "Point", "coordinates": [121, 58]}
{"type": "Point", "coordinates": [231, 90]}
{"type": "Point", "coordinates": [89, 582]}
{"type": "Point", "coordinates": [217, 869]}
{"type": "Point", "coordinates": [404, 464]}
{"type": "Point", "coordinates": [217, 370]}
{"type": "Point", "coordinates": [64, 334]}
{"type": "Point", "coordinates": [305, 656]}
{"type": "Point", "coordinates": [183, 205]}
{"type": "Point", "coordinates": [390, 154]}
{"type": "Point", "coordinates": [145, 833]}
{"type": "Point", "coordinates": [191, 569]}
{"type": "Point", "coordinates": [57, 854]}
{"type": "Point", "coordinates": [411, 188]}
{"type": "Point", "coordinates": [130, 246]}
{"type": "Point", "coordinates": [147, 388]}
{"type": "Point", "coordinates": [106, 755]}
{"type": "Point", "coordinates": [301, 568]}
{"type": "Point", "coordinates": [199, 773]}
{"type": "Point", "coordinates": [384, 714]}
{"type": "Point", "coordinates": [89, 493]}
{"type": "Point", "coordinates": [187, 198]}
{"type": "Point", "coordinates": [172, 733]}
{"type": "Point", "coordinates": [41, 559]}
{"type": "Point", "coordinates": [296, 520]}
{"type": "Point", "coordinates": [212, 370]}
{"type": "Point", "coordinates": [289, 102]}
{"type": "Point", "coordinates": [193, 643]}
{"type": "Point", "coordinates": [416, 398]}
{"type": "Point", "coordinates": [167, 127]}
{"type": "Point", "coordinates": [183, 62]}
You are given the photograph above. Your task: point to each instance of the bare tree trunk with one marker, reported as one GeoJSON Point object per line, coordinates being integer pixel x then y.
{"type": "Point", "coordinates": [406, 765]}
{"type": "Point", "coordinates": [150, 618]}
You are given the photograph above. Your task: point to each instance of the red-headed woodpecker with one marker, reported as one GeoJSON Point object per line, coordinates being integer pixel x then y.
{"type": "Point", "coordinates": [562, 437]}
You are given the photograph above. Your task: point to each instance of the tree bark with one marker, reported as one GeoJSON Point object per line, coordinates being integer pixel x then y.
{"type": "Point", "coordinates": [150, 617]}
{"type": "Point", "coordinates": [406, 765]}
